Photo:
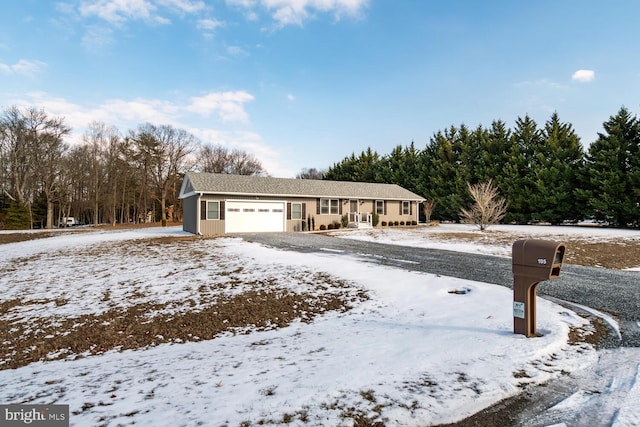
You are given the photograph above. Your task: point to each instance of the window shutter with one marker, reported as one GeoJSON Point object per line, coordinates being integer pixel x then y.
{"type": "Point", "coordinates": [203, 210]}
{"type": "Point", "coordinates": [340, 206]}
{"type": "Point", "coordinates": [288, 210]}
{"type": "Point", "coordinates": [318, 207]}
{"type": "Point", "coordinates": [304, 211]}
{"type": "Point", "coordinates": [410, 208]}
{"type": "Point", "coordinates": [384, 206]}
{"type": "Point", "coordinates": [400, 203]}
{"type": "Point", "coordinates": [221, 213]}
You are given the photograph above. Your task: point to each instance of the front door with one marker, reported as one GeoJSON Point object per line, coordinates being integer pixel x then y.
{"type": "Point", "coordinates": [353, 211]}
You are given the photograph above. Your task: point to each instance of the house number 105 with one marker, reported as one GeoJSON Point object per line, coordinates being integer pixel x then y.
{"type": "Point", "coordinates": [542, 261]}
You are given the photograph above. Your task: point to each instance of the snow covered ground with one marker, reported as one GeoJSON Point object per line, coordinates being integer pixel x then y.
{"type": "Point", "coordinates": [415, 353]}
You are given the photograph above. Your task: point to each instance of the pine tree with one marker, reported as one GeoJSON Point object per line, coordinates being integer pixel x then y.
{"type": "Point", "coordinates": [555, 166]}
{"type": "Point", "coordinates": [611, 172]}
{"type": "Point", "coordinates": [17, 217]}
{"type": "Point", "coordinates": [442, 175]}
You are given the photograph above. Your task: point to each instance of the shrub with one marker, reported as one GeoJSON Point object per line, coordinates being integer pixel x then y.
{"type": "Point", "coordinates": [414, 222]}
{"type": "Point", "coordinates": [336, 224]}
{"type": "Point", "coordinates": [375, 218]}
{"type": "Point", "coordinates": [401, 222]}
{"type": "Point", "coordinates": [329, 226]}
{"type": "Point", "coordinates": [345, 220]}
{"type": "Point", "coordinates": [384, 223]}
{"type": "Point", "coordinates": [17, 217]}
{"type": "Point", "coordinates": [396, 223]}
{"type": "Point", "coordinates": [323, 227]}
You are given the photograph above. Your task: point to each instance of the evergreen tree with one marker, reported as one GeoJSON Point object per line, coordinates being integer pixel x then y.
{"type": "Point", "coordinates": [518, 176]}
{"type": "Point", "coordinates": [365, 168]}
{"type": "Point", "coordinates": [555, 166]}
{"type": "Point", "coordinates": [442, 177]}
{"type": "Point", "coordinates": [17, 217]}
{"type": "Point", "coordinates": [611, 172]}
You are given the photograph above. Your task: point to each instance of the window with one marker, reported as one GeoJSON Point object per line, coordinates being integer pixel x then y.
{"type": "Point", "coordinates": [329, 206]}
{"type": "Point", "coordinates": [380, 207]}
{"type": "Point", "coordinates": [296, 210]}
{"type": "Point", "coordinates": [406, 208]}
{"type": "Point", "coordinates": [213, 210]}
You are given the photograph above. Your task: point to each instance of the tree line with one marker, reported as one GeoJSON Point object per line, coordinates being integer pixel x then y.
{"type": "Point", "coordinates": [544, 173]}
{"type": "Point", "coordinates": [109, 178]}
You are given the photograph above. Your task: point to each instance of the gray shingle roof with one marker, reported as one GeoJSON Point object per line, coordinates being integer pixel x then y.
{"type": "Point", "coordinates": [213, 183]}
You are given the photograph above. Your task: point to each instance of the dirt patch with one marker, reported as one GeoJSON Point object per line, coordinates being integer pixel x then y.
{"type": "Point", "coordinates": [23, 237]}
{"type": "Point", "coordinates": [609, 254]}
{"type": "Point", "coordinates": [133, 328]}
{"type": "Point", "coordinates": [139, 309]}
{"type": "Point", "coordinates": [8, 237]}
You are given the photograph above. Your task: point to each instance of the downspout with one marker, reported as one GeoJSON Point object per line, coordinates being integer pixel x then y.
{"type": "Point", "coordinates": [198, 209]}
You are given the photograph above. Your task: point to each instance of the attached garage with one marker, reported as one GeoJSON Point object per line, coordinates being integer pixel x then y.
{"type": "Point", "coordinates": [254, 216]}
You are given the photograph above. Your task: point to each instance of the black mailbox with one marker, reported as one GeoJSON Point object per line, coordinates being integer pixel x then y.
{"type": "Point", "coordinates": [533, 261]}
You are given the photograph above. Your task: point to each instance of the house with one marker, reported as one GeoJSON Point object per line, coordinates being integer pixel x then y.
{"type": "Point", "coordinates": [216, 204]}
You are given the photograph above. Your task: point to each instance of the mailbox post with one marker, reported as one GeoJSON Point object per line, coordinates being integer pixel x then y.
{"type": "Point", "coordinates": [533, 261]}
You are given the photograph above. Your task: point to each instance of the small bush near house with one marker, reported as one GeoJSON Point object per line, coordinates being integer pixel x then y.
{"type": "Point", "coordinates": [401, 222]}
{"type": "Point", "coordinates": [396, 223]}
{"type": "Point", "coordinates": [375, 218]}
{"type": "Point", "coordinates": [414, 222]}
{"type": "Point", "coordinates": [323, 227]}
{"type": "Point", "coordinates": [345, 220]}
{"type": "Point", "coordinates": [329, 226]}
{"type": "Point", "coordinates": [336, 224]}
{"type": "Point", "coordinates": [384, 223]}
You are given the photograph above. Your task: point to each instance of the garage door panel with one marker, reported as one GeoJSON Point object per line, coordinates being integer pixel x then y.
{"type": "Point", "coordinates": [254, 216]}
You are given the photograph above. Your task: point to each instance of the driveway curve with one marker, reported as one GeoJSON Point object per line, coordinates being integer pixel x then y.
{"type": "Point", "coordinates": [614, 292]}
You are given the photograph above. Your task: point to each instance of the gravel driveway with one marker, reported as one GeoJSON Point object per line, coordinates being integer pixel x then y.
{"type": "Point", "coordinates": [614, 292]}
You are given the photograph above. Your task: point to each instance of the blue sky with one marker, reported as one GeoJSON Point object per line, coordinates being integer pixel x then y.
{"type": "Point", "coordinates": [305, 83]}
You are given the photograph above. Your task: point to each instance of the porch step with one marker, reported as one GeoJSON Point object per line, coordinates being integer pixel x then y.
{"type": "Point", "coordinates": [359, 225]}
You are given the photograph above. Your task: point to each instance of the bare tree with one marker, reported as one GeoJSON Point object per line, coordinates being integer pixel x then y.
{"type": "Point", "coordinates": [18, 154]}
{"type": "Point", "coordinates": [32, 146]}
{"type": "Point", "coordinates": [164, 150]}
{"type": "Point", "coordinates": [218, 159]}
{"type": "Point", "coordinates": [427, 208]}
{"type": "Point", "coordinates": [104, 144]}
{"type": "Point", "coordinates": [489, 208]}
{"type": "Point", "coordinates": [212, 159]}
{"type": "Point", "coordinates": [311, 173]}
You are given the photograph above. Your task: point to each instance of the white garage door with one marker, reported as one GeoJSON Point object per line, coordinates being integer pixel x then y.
{"type": "Point", "coordinates": [254, 216]}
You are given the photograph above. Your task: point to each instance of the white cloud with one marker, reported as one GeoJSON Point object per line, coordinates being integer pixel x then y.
{"type": "Point", "coordinates": [128, 114]}
{"type": "Point", "coordinates": [24, 67]}
{"type": "Point", "coordinates": [116, 11]}
{"type": "Point", "coordinates": [184, 6]}
{"type": "Point", "coordinates": [97, 37]}
{"type": "Point", "coordinates": [291, 97]}
{"type": "Point", "coordinates": [583, 76]}
{"type": "Point", "coordinates": [229, 106]}
{"type": "Point", "coordinates": [209, 24]}
{"type": "Point", "coordinates": [295, 12]}
{"type": "Point", "coordinates": [119, 11]}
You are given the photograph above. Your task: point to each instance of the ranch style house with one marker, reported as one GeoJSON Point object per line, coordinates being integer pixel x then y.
{"type": "Point", "coordinates": [216, 204]}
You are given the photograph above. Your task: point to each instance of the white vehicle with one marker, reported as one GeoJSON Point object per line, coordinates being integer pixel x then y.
{"type": "Point", "coordinates": [68, 221]}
